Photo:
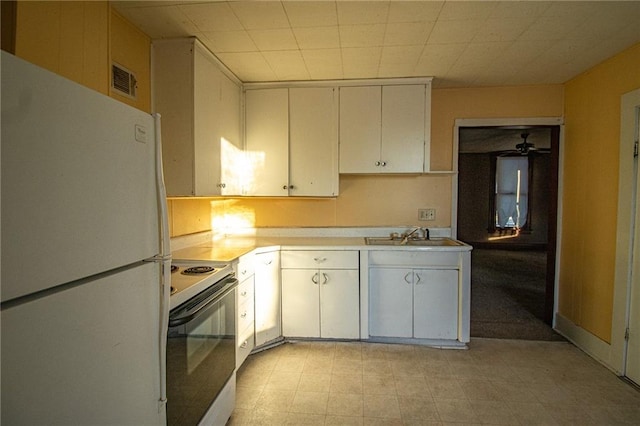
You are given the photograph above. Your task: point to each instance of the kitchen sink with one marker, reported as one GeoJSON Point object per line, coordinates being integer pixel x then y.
{"type": "Point", "coordinates": [435, 242]}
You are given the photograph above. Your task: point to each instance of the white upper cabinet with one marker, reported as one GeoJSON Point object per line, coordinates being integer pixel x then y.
{"type": "Point", "coordinates": [291, 142]}
{"type": "Point", "coordinates": [385, 129]}
{"type": "Point", "coordinates": [267, 142]}
{"type": "Point", "coordinates": [200, 109]}
{"type": "Point", "coordinates": [313, 142]}
{"type": "Point", "coordinates": [360, 129]}
{"type": "Point", "coordinates": [403, 128]}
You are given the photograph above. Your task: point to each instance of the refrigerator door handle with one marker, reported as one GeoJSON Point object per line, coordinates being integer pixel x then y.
{"type": "Point", "coordinates": [165, 249]}
{"type": "Point", "coordinates": [165, 263]}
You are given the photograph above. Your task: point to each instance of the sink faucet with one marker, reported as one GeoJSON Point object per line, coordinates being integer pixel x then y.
{"type": "Point", "coordinates": [406, 236]}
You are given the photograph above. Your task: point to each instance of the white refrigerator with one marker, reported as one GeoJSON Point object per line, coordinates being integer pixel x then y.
{"type": "Point", "coordinates": [85, 265]}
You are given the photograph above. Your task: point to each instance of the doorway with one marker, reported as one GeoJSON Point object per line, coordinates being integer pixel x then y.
{"type": "Point", "coordinates": [626, 310]}
{"type": "Point", "coordinates": [514, 256]}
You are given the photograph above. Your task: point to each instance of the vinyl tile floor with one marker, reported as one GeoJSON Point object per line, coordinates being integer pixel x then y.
{"type": "Point", "coordinates": [502, 382]}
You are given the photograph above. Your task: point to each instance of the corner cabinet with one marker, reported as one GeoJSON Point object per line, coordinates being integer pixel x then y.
{"type": "Point", "coordinates": [268, 325]}
{"type": "Point", "coordinates": [200, 108]}
{"type": "Point", "coordinates": [291, 142]}
{"type": "Point", "coordinates": [320, 294]}
{"type": "Point", "coordinates": [385, 129]}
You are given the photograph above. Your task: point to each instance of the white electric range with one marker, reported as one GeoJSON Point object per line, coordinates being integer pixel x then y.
{"type": "Point", "coordinates": [201, 343]}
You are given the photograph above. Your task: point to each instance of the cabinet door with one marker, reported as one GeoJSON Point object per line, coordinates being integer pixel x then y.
{"type": "Point", "coordinates": [313, 142]}
{"type": "Point", "coordinates": [360, 121]}
{"type": "Point", "coordinates": [267, 142]}
{"type": "Point", "coordinates": [300, 303]}
{"type": "Point", "coordinates": [232, 165]}
{"type": "Point", "coordinates": [173, 98]}
{"type": "Point", "coordinates": [390, 302]}
{"type": "Point", "coordinates": [339, 304]}
{"type": "Point", "coordinates": [403, 127]}
{"type": "Point", "coordinates": [267, 297]}
{"type": "Point", "coordinates": [207, 124]}
{"type": "Point", "coordinates": [435, 304]}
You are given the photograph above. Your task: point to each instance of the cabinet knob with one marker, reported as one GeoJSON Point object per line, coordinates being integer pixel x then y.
{"type": "Point", "coordinates": [244, 293]}
{"type": "Point", "coordinates": [244, 344]}
{"type": "Point", "coordinates": [378, 163]}
{"type": "Point", "coordinates": [383, 163]}
{"type": "Point", "coordinates": [243, 315]}
{"type": "Point", "coordinates": [222, 185]}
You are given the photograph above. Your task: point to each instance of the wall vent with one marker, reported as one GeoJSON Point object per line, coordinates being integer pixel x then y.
{"type": "Point", "coordinates": [123, 81]}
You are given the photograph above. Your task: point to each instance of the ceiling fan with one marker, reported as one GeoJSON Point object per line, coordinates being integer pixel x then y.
{"type": "Point", "coordinates": [524, 147]}
{"type": "Point", "coordinates": [527, 148]}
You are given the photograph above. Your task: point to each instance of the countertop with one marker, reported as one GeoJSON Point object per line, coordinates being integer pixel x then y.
{"type": "Point", "coordinates": [232, 248]}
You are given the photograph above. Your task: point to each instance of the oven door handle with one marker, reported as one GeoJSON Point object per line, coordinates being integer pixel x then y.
{"type": "Point", "coordinates": [192, 312]}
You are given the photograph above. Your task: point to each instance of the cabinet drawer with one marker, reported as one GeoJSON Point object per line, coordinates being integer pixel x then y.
{"type": "Point", "coordinates": [414, 259]}
{"type": "Point", "coordinates": [320, 259]}
{"type": "Point", "coordinates": [245, 267]}
{"type": "Point", "coordinates": [245, 315]}
{"type": "Point", "coordinates": [246, 343]}
{"type": "Point", "coordinates": [245, 291]}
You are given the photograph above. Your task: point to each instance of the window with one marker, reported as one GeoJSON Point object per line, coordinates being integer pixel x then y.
{"type": "Point", "coordinates": [510, 197]}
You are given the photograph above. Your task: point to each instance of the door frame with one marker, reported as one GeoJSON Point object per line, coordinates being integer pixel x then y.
{"type": "Point", "coordinates": [625, 222]}
{"type": "Point", "coordinates": [555, 216]}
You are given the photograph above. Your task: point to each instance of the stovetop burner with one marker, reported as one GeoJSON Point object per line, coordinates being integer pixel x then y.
{"type": "Point", "coordinates": [193, 276]}
{"type": "Point", "coordinates": [198, 270]}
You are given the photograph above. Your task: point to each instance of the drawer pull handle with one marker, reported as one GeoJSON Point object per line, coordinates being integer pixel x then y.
{"type": "Point", "coordinates": [326, 278]}
{"type": "Point", "coordinates": [406, 278]}
{"type": "Point", "coordinates": [314, 278]}
{"type": "Point", "coordinates": [320, 259]}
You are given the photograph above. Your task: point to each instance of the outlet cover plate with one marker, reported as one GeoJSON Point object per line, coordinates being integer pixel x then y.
{"type": "Point", "coordinates": [426, 214]}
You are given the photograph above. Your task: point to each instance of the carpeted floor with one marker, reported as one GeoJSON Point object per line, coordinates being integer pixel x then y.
{"type": "Point", "coordinates": [507, 295]}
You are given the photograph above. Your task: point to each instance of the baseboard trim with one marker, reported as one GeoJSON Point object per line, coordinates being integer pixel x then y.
{"type": "Point", "coordinates": [593, 346]}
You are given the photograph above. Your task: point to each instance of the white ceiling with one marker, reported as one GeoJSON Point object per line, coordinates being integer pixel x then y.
{"type": "Point", "coordinates": [459, 43]}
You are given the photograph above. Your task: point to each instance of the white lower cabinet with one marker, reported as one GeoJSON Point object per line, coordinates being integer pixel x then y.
{"type": "Point", "coordinates": [267, 297]}
{"type": "Point", "coordinates": [391, 303]}
{"type": "Point", "coordinates": [320, 294]}
{"type": "Point", "coordinates": [245, 310]}
{"type": "Point", "coordinates": [435, 304]}
{"type": "Point", "coordinates": [413, 303]}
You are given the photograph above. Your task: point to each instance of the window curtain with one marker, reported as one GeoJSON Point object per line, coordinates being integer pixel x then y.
{"type": "Point", "coordinates": [512, 187]}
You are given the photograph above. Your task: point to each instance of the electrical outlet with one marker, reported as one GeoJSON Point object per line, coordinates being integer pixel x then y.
{"type": "Point", "coordinates": [426, 214]}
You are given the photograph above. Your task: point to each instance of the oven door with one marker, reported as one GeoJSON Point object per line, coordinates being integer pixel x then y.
{"type": "Point", "coordinates": [200, 352]}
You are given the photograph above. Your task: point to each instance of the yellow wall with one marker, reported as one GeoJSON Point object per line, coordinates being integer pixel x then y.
{"type": "Point", "coordinates": [592, 138]}
{"type": "Point", "coordinates": [447, 105]}
{"type": "Point", "coordinates": [78, 40]}
{"type": "Point", "coordinates": [381, 200]}
{"type": "Point", "coordinates": [68, 38]}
